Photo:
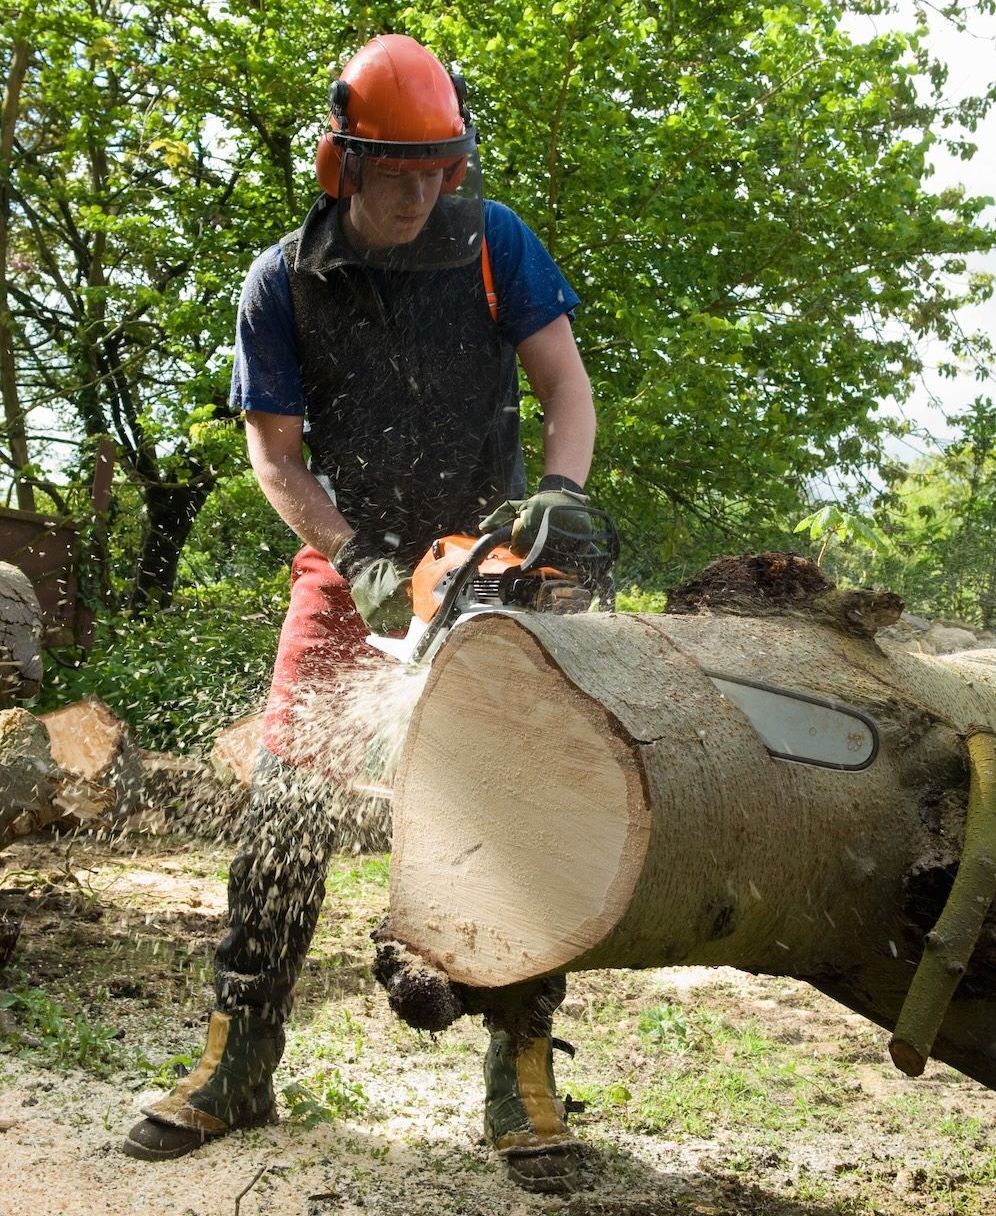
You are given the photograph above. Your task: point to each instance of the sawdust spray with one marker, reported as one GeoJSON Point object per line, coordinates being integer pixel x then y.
{"type": "Point", "coordinates": [346, 739]}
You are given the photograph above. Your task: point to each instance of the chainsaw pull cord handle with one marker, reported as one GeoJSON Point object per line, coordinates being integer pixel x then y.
{"type": "Point", "coordinates": [460, 580]}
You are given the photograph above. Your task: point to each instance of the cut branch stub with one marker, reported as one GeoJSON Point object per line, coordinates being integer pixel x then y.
{"type": "Point", "coordinates": [949, 945]}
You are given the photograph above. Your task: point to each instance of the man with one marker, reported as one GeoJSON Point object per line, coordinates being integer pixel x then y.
{"type": "Point", "coordinates": [371, 336]}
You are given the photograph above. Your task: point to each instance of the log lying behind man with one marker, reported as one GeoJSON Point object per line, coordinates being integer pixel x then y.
{"type": "Point", "coordinates": [580, 792]}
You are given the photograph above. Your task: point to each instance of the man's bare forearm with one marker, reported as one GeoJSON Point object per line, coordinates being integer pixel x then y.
{"type": "Point", "coordinates": [301, 502]}
{"type": "Point", "coordinates": [569, 431]}
{"type": "Point", "coordinates": [277, 458]}
{"type": "Point", "coordinates": [558, 378]}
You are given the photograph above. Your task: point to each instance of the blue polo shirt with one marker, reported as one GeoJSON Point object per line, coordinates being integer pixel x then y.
{"type": "Point", "coordinates": [266, 375]}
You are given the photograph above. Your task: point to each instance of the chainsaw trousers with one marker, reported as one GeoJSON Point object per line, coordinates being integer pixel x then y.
{"type": "Point", "coordinates": [322, 637]}
{"type": "Point", "coordinates": [276, 886]}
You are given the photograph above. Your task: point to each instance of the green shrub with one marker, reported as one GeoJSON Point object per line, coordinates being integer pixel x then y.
{"type": "Point", "coordinates": [185, 672]}
{"type": "Point", "coordinates": [63, 1039]}
{"type": "Point", "coordinates": [635, 600]}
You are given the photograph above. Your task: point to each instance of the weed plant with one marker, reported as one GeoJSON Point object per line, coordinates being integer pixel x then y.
{"type": "Point", "coordinates": [46, 1032]}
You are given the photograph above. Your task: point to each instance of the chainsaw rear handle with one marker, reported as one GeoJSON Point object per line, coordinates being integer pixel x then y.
{"type": "Point", "coordinates": [460, 580]}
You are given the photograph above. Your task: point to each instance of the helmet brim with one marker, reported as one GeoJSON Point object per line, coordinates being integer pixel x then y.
{"type": "Point", "coordinates": [441, 151]}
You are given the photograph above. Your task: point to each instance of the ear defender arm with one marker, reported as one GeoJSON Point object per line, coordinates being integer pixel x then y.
{"type": "Point", "coordinates": [460, 88]}
{"type": "Point", "coordinates": [338, 101]}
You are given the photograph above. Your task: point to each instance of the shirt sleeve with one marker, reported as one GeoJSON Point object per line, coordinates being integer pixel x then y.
{"type": "Point", "coordinates": [530, 288]}
{"type": "Point", "coordinates": [266, 375]}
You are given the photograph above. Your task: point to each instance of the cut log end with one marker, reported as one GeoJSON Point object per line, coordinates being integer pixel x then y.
{"type": "Point", "coordinates": [906, 1057]}
{"type": "Point", "coordinates": [573, 810]}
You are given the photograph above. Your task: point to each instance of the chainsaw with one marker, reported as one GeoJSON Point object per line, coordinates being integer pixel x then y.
{"type": "Point", "coordinates": [461, 576]}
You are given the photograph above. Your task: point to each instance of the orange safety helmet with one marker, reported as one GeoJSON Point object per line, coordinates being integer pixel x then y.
{"type": "Point", "coordinates": [396, 102]}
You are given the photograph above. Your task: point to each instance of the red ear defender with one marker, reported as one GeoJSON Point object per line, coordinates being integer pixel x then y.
{"type": "Point", "coordinates": [328, 161]}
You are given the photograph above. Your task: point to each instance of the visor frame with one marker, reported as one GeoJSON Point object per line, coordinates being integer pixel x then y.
{"type": "Point", "coordinates": [442, 150]}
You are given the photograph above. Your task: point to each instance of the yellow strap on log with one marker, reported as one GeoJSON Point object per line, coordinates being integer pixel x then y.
{"type": "Point", "coordinates": [949, 945]}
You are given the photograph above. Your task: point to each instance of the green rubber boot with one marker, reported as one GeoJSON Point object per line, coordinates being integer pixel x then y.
{"type": "Point", "coordinates": [231, 1087]}
{"type": "Point", "coordinates": [524, 1119]}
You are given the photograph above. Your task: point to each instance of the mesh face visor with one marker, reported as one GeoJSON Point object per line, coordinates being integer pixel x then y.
{"type": "Point", "coordinates": [453, 232]}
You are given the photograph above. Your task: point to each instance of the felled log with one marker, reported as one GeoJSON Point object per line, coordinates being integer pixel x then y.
{"type": "Point", "coordinates": [28, 773]}
{"type": "Point", "coordinates": [89, 740]}
{"type": "Point", "coordinates": [34, 791]}
{"type": "Point", "coordinates": [579, 792]}
{"type": "Point", "coordinates": [190, 794]}
{"type": "Point", "coordinates": [236, 748]}
{"type": "Point", "coordinates": [20, 636]}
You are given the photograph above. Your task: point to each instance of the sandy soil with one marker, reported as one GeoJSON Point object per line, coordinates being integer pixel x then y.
{"type": "Point", "coordinates": [788, 1104]}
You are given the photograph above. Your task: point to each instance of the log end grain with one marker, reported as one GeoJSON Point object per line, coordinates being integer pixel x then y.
{"type": "Point", "coordinates": [521, 822]}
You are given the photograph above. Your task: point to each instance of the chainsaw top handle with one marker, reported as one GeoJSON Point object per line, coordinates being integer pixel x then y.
{"type": "Point", "coordinates": [593, 549]}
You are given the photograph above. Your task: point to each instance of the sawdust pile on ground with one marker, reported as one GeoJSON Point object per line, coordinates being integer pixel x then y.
{"type": "Point", "coordinates": [708, 1091]}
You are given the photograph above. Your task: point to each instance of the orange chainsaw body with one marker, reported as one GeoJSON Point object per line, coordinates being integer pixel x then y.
{"type": "Point", "coordinates": [449, 553]}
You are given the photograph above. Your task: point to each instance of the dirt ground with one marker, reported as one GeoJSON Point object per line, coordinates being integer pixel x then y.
{"type": "Point", "coordinates": [707, 1091]}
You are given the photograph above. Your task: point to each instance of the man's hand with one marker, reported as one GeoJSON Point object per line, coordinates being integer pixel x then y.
{"type": "Point", "coordinates": [380, 587]}
{"type": "Point", "coordinates": [564, 499]}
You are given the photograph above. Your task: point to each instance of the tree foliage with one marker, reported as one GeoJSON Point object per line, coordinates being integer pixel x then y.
{"type": "Point", "coordinates": [739, 191]}
{"type": "Point", "coordinates": [153, 152]}
{"type": "Point", "coordinates": [941, 518]}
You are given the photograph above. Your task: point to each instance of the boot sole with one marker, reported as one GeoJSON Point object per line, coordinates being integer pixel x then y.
{"type": "Point", "coordinates": [552, 1172]}
{"type": "Point", "coordinates": [145, 1152]}
{"type": "Point", "coordinates": [181, 1140]}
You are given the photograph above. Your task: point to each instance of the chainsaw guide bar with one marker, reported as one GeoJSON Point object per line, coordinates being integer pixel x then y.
{"type": "Point", "coordinates": [799, 727]}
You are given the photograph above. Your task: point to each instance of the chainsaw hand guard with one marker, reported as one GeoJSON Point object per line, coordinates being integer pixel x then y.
{"type": "Point", "coordinates": [578, 537]}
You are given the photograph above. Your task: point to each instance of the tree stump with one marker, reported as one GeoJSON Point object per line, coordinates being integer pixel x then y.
{"type": "Point", "coordinates": [236, 749]}
{"type": "Point", "coordinates": [20, 637]}
{"type": "Point", "coordinates": [34, 790]}
{"type": "Point", "coordinates": [88, 739]}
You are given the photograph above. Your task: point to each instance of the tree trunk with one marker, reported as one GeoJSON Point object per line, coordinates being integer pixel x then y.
{"type": "Point", "coordinates": [171, 511]}
{"type": "Point", "coordinates": [16, 432]}
{"type": "Point", "coordinates": [576, 792]}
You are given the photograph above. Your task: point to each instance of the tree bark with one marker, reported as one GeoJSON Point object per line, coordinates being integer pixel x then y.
{"type": "Point", "coordinates": [576, 792]}
{"type": "Point", "coordinates": [170, 511]}
{"type": "Point", "coordinates": [16, 432]}
{"type": "Point", "coordinates": [20, 636]}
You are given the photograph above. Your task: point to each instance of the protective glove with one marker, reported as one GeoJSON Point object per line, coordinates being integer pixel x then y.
{"type": "Point", "coordinates": [566, 499]}
{"type": "Point", "coordinates": [379, 585]}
